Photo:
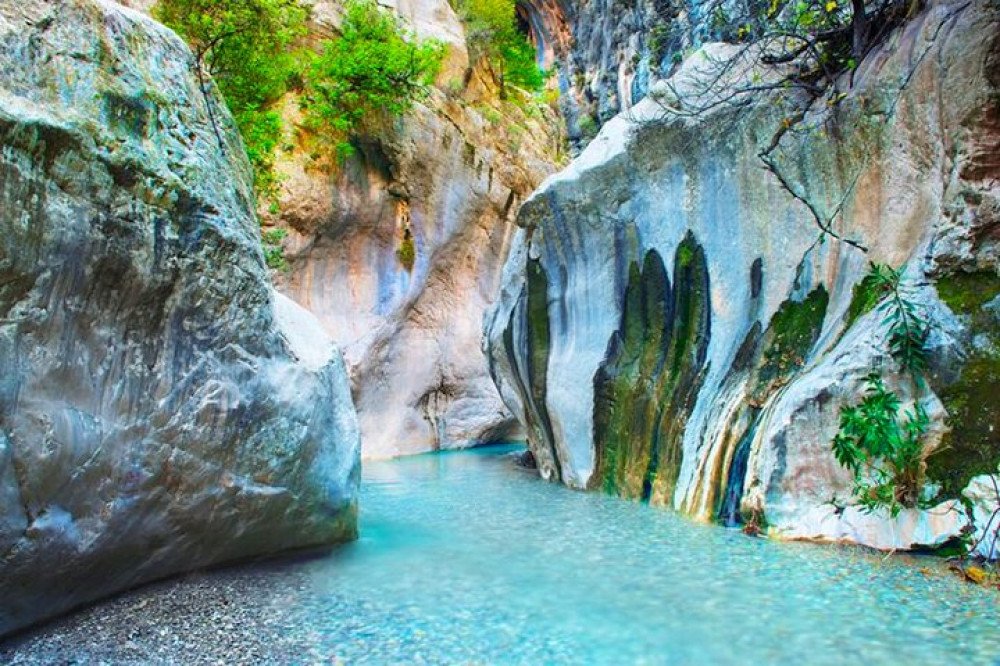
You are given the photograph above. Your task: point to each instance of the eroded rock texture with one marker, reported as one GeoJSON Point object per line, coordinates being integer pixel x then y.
{"type": "Point", "coordinates": [446, 181]}
{"type": "Point", "coordinates": [672, 317]}
{"type": "Point", "coordinates": [161, 409]}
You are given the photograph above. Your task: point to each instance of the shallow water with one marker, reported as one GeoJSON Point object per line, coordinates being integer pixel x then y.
{"type": "Point", "coordinates": [465, 558]}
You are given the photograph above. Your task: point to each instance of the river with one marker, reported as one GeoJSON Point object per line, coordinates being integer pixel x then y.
{"type": "Point", "coordinates": [466, 559]}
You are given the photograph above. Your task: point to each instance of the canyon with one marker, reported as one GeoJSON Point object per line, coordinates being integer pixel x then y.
{"type": "Point", "coordinates": [653, 271]}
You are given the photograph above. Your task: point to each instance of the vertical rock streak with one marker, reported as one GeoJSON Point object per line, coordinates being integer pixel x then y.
{"type": "Point", "coordinates": [646, 387]}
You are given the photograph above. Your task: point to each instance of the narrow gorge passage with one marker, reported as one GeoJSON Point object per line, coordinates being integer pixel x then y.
{"type": "Point", "coordinates": [466, 558]}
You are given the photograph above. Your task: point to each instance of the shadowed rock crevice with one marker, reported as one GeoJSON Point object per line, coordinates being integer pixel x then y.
{"type": "Point", "coordinates": [527, 340]}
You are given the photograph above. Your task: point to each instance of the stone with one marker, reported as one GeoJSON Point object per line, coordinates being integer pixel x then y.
{"type": "Point", "coordinates": [736, 423]}
{"type": "Point", "coordinates": [161, 408]}
{"type": "Point", "coordinates": [984, 495]}
{"type": "Point", "coordinates": [452, 173]}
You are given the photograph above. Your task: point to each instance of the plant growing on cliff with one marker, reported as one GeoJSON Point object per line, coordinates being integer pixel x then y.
{"type": "Point", "coordinates": [246, 47]}
{"type": "Point", "coordinates": [274, 251]}
{"type": "Point", "coordinates": [883, 449]}
{"type": "Point", "coordinates": [370, 74]}
{"type": "Point", "coordinates": [499, 42]}
{"type": "Point", "coordinates": [406, 254]}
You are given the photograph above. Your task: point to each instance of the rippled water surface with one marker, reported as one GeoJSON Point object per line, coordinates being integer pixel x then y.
{"type": "Point", "coordinates": [466, 559]}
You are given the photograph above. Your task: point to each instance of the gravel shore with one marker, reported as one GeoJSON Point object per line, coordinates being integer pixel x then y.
{"type": "Point", "coordinates": [242, 615]}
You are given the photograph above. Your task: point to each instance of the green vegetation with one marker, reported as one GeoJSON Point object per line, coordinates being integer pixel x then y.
{"type": "Point", "coordinates": [359, 81]}
{"type": "Point", "coordinates": [864, 297]}
{"type": "Point", "coordinates": [407, 251]}
{"type": "Point", "coordinates": [274, 253]}
{"type": "Point", "coordinates": [495, 42]}
{"type": "Point", "coordinates": [882, 449]}
{"type": "Point", "coordinates": [246, 47]}
{"type": "Point", "coordinates": [791, 333]}
{"type": "Point", "coordinates": [370, 74]}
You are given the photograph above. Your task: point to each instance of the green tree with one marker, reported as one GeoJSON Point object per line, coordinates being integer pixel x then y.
{"type": "Point", "coordinates": [370, 74]}
{"type": "Point", "coordinates": [246, 47]}
{"type": "Point", "coordinates": [495, 41]}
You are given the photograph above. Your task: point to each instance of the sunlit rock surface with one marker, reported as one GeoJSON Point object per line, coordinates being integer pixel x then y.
{"type": "Point", "coordinates": [672, 328]}
{"type": "Point", "coordinates": [161, 409]}
{"type": "Point", "coordinates": [451, 173]}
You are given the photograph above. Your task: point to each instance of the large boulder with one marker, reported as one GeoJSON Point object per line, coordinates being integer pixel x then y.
{"type": "Point", "coordinates": [673, 326]}
{"type": "Point", "coordinates": [161, 409]}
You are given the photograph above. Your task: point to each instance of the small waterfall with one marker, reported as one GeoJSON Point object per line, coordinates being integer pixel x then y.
{"type": "Point", "coordinates": [729, 507]}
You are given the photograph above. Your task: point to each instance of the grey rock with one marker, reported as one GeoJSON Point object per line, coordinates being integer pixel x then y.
{"type": "Point", "coordinates": [160, 409]}
{"type": "Point", "coordinates": [908, 161]}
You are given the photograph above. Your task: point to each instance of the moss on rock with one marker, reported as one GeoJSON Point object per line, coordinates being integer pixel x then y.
{"type": "Point", "coordinates": [973, 445]}
{"type": "Point", "coordinates": [789, 337]}
{"type": "Point", "coordinates": [645, 389]}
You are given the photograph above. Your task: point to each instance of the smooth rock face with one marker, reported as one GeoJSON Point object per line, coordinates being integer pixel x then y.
{"type": "Point", "coordinates": [452, 173]}
{"type": "Point", "coordinates": [984, 493]}
{"type": "Point", "coordinates": [161, 409]}
{"type": "Point", "coordinates": [671, 328]}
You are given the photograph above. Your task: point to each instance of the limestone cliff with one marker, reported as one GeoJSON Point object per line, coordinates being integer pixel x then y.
{"type": "Point", "coordinates": [673, 327]}
{"type": "Point", "coordinates": [161, 409]}
{"type": "Point", "coordinates": [449, 179]}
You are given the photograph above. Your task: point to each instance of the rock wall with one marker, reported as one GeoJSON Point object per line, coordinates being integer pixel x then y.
{"type": "Point", "coordinates": [449, 178]}
{"type": "Point", "coordinates": [673, 327]}
{"type": "Point", "coordinates": [161, 408]}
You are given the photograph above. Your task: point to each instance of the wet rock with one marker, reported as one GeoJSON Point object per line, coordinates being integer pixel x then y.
{"type": "Point", "coordinates": [984, 494]}
{"type": "Point", "coordinates": [161, 409]}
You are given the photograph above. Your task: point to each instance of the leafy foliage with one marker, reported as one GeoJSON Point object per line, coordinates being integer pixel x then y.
{"type": "Point", "coordinates": [824, 36]}
{"type": "Point", "coordinates": [274, 252]}
{"type": "Point", "coordinates": [908, 331]}
{"type": "Point", "coordinates": [495, 40]}
{"type": "Point", "coordinates": [406, 253]}
{"type": "Point", "coordinates": [246, 47]}
{"type": "Point", "coordinates": [883, 450]}
{"type": "Point", "coordinates": [373, 72]}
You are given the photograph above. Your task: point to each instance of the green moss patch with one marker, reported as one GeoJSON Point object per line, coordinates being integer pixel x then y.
{"type": "Point", "coordinates": [864, 298]}
{"type": "Point", "coordinates": [646, 387]}
{"type": "Point", "coordinates": [789, 337]}
{"type": "Point", "coordinates": [967, 293]}
{"type": "Point", "coordinates": [973, 445]}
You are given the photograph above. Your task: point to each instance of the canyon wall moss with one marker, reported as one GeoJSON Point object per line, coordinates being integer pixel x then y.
{"type": "Point", "coordinates": [973, 445]}
{"type": "Point", "coordinates": [645, 389]}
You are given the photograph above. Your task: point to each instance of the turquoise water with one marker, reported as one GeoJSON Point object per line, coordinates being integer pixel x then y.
{"type": "Point", "coordinates": [466, 559]}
